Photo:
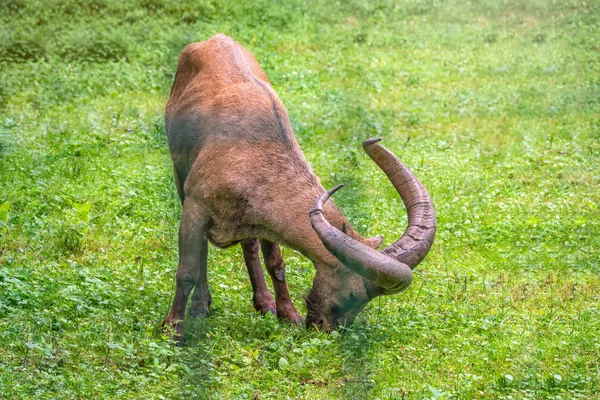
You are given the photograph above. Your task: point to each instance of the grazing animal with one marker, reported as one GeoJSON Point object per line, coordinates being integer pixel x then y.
{"type": "Point", "coordinates": [242, 178]}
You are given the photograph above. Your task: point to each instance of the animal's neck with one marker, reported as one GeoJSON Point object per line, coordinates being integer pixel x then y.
{"type": "Point", "coordinates": [304, 239]}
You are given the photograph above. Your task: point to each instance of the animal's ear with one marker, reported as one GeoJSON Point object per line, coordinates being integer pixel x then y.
{"type": "Point", "coordinates": [374, 242]}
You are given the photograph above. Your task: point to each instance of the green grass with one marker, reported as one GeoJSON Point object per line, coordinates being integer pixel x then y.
{"type": "Point", "coordinates": [495, 105]}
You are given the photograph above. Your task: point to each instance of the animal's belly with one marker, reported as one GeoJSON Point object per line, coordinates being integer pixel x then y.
{"type": "Point", "coordinates": [222, 244]}
{"type": "Point", "coordinates": [226, 235]}
{"type": "Point", "coordinates": [222, 235]}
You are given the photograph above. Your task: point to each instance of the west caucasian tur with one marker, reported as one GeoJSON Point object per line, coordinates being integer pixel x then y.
{"type": "Point", "coordinates": [242, 178]}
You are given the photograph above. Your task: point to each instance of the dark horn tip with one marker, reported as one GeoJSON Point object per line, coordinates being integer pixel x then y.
{"type": "Point", "coordinates": [335, 189]}
{"type": "Point", "coordinates": [318, 206]}
{"type": "Point", "coordinates": [371, 141]}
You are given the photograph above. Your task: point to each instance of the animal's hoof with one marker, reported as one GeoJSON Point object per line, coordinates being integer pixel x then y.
{"type": "Point", "coordinates": [263, 303]}
{"type": "Point", "coordinates": [298, 320]}
{"type": "Point", "coordinates": [198, 311]}
{"type": "Point", "coordinates": [175, 331]}
{"type": "Point", "coordinates": [291, 317]}
{"type": "Point", "coordinates": [267, 308]}
{"type": "Point", "coordinates": [178, 340]}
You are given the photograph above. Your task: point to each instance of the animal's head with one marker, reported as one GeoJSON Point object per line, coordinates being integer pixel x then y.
{"type": "Point", "coordinates": [342, 290]}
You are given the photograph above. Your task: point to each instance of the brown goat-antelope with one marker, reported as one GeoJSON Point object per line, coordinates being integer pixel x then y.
{"type": "Point", "coordinates": [242, 177]}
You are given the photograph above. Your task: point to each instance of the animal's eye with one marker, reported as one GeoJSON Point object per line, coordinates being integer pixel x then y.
{"type": "Point", "coordinates": [352, 297]}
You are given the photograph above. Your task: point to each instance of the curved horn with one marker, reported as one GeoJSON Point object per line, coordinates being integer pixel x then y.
{"type": "Point", "coordinates": [418, 237]}
{"type": "Point", "coordinates": [389, 274]}
{"type": "Point", "coordinates": [391, 267]}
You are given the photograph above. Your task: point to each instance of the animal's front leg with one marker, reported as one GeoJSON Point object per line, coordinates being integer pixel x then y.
{"type": "Point", "coordinates": [193, 249]}
{"type": "Point", "coordinates": [276, 268]}
{"type": "Point", "coordinates": [262, 299]}
{"type": "Point", "coordinates": [201, 298]}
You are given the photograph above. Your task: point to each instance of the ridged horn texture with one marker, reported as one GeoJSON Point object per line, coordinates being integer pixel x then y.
{"type": "Point", "coordinates": [391, 268]}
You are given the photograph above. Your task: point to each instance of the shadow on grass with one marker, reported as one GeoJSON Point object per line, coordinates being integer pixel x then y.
{"type": "Point", "coordinates": [357, 365]}
{"type": "Point", "coordinates": [198, 362]}
{"type": "Point", "coordinates": [364, 349]}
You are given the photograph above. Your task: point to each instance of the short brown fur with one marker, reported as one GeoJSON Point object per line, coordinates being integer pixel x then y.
{"type": "Point", "coordinates": [241, 176]}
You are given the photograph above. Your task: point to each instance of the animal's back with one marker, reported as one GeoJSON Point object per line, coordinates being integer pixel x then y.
{"type": "Point", "coordinates": [221, 96]}
{"type": "Point", "coordinates": [232, 144]}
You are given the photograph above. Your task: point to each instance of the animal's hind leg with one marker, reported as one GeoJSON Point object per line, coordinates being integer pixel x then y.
{"type": "Point", "coordinates": [276, 268]}
{"type": "Point", "coordinates": [193, 248]}
{"type": "Point", "coordinates": [262, 299]}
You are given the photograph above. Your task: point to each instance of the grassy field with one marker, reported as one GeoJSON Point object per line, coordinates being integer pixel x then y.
{"type": "Point", "coordinates": [495, 105]}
